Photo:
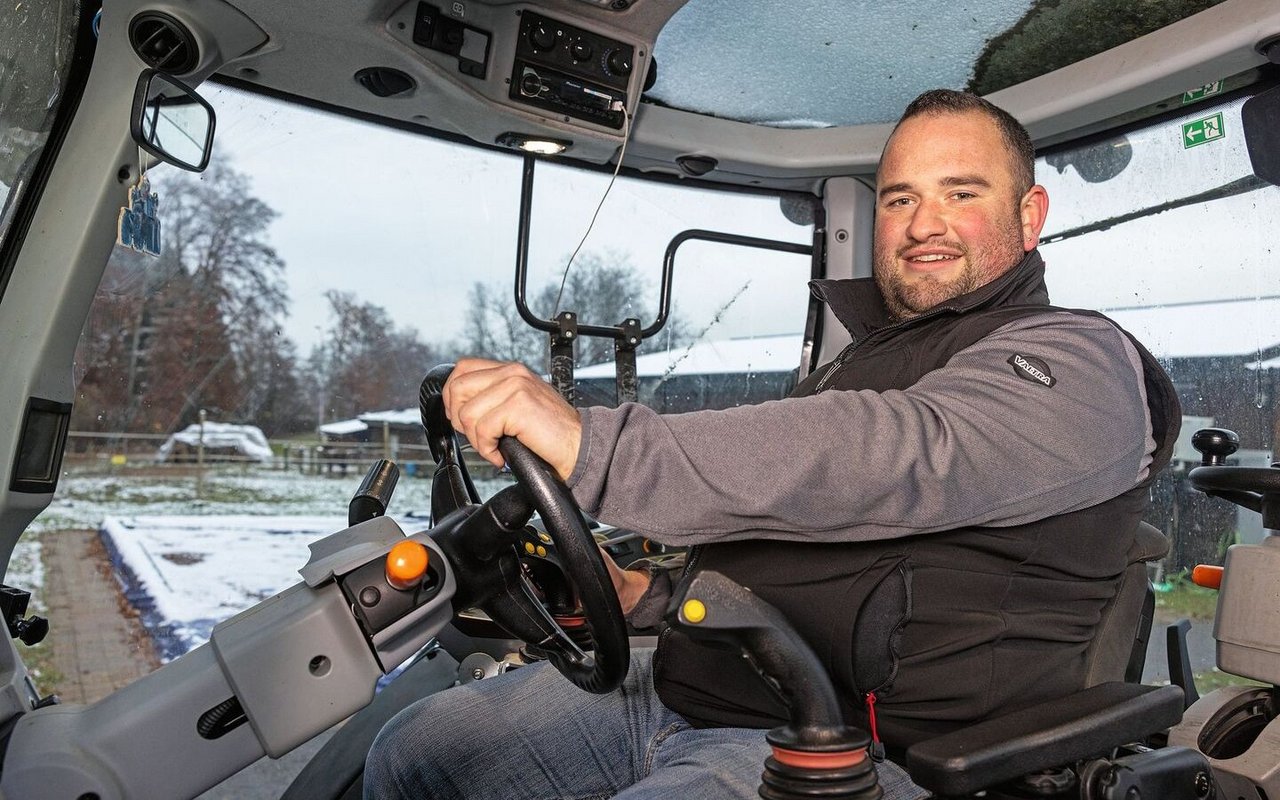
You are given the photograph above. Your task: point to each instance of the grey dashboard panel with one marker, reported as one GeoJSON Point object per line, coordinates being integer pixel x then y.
{"type": "Point", "coordinates": [298, 663]}
{"type": "Point", "coordinates": [68, 750]}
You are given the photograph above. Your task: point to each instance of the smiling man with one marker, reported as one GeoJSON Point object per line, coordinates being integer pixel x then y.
{"type": "Point", "coordinates": [943, 511]}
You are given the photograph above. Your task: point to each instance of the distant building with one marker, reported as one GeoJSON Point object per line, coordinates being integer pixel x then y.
{"type": "Point", "coordinates": [714, 374]}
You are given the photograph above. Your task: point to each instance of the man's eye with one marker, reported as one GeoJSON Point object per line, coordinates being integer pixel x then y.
{"type": "Point", "coordinates": [899, 201]}
{"type": "Point", "coordinates": [964, 195]}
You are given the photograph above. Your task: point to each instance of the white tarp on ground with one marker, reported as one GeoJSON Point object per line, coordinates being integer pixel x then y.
{"type": "Point", "coordinates": [247, 440]}
{"type": "Point", "coordinates": [345, 427]}
{"type": "Point", "coordinates": [409, 416]}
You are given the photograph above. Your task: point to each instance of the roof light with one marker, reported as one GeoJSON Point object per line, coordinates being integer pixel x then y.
{"type": "Point", "coordinates": [533, 144]}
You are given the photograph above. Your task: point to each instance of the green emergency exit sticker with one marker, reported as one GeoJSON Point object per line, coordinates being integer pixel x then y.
{"type": "Point", "coordinates": [1208, 90]}
{"type": "Point", "coordinates": [1202, 131]}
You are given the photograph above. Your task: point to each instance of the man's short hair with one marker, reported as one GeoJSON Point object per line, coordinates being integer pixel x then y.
{"type": "Point", "coordinates": [949, 101]}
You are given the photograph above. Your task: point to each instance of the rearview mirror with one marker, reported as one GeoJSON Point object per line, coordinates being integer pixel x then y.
{"type": "Point", "coordinates": [172, 122]}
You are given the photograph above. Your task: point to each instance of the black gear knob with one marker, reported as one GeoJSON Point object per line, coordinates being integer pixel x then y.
{"type": "Point", "coordinates": [1215, 444]}
{"type": "Point", "coordinates": [32, 630]}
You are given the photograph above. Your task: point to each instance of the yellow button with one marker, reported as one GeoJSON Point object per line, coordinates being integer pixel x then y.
{"type": "Point", "coordinates": [542, 551]}
{"type": "Point", "coordinates": [694, 611]}
{"type": "Point", "coordinates": [406, 564]}
{"type": "Point", "coordinates": [528, 547]}
{"type": "Point", "coordinates": [544, 538]}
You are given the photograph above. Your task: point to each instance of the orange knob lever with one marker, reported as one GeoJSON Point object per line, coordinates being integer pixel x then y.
{"type": "Point", "coordinates": [406, 564]}
{"type": "Point", "coordinates": [1208, 576]}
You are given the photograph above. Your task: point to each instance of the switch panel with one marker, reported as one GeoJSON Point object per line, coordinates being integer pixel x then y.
{"type": "Point", "coordinates": [566, 70]}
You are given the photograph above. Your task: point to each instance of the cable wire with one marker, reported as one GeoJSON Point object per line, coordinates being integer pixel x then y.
{"type": "Point", "coordinates": [626, 136]}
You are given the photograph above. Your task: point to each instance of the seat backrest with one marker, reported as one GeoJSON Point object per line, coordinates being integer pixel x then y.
{"type": "Point", "coordinates": [1119, 649]}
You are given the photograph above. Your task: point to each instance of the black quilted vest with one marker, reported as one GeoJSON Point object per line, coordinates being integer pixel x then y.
{"type": "Point", "coordinates": [946, 628]}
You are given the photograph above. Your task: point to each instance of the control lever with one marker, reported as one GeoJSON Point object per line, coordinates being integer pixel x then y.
{"type": "Point", "coordinates": [1255, 488]}
{"type": "Point", "coordinates": [374, 495]}
{"type": "Point", "coordinates": [1179, 656]}
{"type": "Point", "coordinates": [13, 607]}
{"type": "Point", "coordinates": [816, 754]}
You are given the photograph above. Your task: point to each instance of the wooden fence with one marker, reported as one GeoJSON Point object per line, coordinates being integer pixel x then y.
{"type": "Point", "coordinates": [89, 451]}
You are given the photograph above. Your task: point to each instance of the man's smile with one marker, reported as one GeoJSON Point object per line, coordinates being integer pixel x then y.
{"type": "Point", "coordinates": [930, 259]}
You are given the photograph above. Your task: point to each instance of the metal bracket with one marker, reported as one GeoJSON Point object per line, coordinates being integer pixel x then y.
{"type": "Point", "coordinates": [561, 363]}
{"type": "Point", "coordinates": [624, 360]}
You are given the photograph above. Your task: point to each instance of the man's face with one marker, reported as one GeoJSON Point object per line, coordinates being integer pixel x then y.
{"type": "Point", "coordinates": [949, 217]}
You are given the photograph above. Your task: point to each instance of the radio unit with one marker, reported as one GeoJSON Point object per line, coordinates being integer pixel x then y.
{"type": "Point", "coordinates": [569, 71]}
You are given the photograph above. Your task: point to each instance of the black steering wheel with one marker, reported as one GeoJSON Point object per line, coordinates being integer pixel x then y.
{"type": "Point", "coordinates": [481, 541]}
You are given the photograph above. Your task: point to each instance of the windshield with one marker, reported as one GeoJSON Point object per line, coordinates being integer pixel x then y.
{"type": "Point", "coordinates": [232, 392]}
{"type": "Point", "coordinates": [35, 57]}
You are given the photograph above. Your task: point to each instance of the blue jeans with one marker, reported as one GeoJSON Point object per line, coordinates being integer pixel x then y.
{"type": "Point", "coordinates": [532, 735]}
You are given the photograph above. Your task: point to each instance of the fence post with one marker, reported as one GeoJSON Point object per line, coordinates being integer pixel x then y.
{"type": "Point", "coordinates": [200, 459]}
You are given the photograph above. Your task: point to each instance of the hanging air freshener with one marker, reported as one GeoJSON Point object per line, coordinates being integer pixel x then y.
{"type": "Point", "coordinates": [139, 225]}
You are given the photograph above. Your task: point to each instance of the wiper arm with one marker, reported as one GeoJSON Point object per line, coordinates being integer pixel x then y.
{"type": "Point", "coordinates": [1249, 183]}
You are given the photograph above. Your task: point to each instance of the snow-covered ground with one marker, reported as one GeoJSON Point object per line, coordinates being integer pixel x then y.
{"type": "Point", "coordinates": [188, 563]}
{"type": "Point", "coordinates": [185, 574]}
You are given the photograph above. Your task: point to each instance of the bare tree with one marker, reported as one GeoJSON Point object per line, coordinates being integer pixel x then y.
{"type": "Point", "coordinates": [197, 327]}
{"type": "Point", "coordinates": [366, 363]}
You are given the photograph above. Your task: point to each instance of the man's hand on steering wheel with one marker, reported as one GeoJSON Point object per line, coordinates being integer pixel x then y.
{"type": "Point", "coordinates": [480, 540]}
{"type": "Point", "coordinates": [486, 400]}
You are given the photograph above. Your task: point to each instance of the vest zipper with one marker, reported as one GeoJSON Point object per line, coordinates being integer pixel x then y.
{"type": "Point", "coordinates": [835, 365]}
{"type": "Point", "coordinates": [844, 354]}
{"type": "Point", "coordinates": [877, 747]}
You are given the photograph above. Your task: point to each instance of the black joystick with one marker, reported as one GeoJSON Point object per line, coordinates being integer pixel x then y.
{"type": "Point", "coordinates": [1255, 488]}
{"type": "Point", "coordinates": [374, 495]}
{"type": "Point", "coordinates": [814, 756]}
{"type": "Point", "coordinates": [1215, 444]}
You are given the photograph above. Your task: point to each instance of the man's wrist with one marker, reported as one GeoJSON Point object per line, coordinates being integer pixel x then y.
{"type": "Point", "coordinates": [651, 606]}
{"type": "Point", "coordinates": [634, 587]}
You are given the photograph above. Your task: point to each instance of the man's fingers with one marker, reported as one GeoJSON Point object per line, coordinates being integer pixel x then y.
{"type": "Point", "coordinates": [484, 419]}
{"type": "Point", "coordinates": [475, 376]}
{"type": "Point", "coordinates": [486, 400]}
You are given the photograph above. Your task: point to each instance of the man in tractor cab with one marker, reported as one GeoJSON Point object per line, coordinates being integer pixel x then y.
{"type": "Point", "coordinates": [942, 511]}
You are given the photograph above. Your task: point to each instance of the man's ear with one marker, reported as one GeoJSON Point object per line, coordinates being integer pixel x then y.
{"type": "Point", "coordinates": [1033, 209]}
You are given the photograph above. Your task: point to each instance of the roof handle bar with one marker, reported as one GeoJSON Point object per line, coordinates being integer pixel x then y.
{"type": "Point", "coordinates": [564, 329]}
{"type": "Point", "coordinates": [628, 334]}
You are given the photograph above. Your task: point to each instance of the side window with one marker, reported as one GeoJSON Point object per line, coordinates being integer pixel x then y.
{"type": "Point", "coordinates": [1167, 231]}
{"type": "Point", "coordinates": [35, 59]}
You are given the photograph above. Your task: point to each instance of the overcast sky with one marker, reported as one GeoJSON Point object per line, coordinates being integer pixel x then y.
{"type": "Point", "coordinates": [411, 223]}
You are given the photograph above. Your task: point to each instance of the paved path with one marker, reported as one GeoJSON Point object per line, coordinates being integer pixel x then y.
{"type": "Point", "coordinates": [98, 642]}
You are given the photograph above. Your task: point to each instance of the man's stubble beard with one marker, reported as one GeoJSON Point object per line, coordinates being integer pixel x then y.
{"type": "Point", "coordinates": [905, 301]}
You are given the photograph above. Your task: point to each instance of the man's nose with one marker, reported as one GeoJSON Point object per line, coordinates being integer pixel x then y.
{"type": "Point", "coordinates": [926, 222]}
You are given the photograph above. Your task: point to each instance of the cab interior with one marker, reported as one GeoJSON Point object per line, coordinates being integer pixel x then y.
{"type": "Point", "coordinates": [628, 195]}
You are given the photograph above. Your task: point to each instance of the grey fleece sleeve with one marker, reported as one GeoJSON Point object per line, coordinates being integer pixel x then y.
{"type": "Point", "coordinates": [972, 443]}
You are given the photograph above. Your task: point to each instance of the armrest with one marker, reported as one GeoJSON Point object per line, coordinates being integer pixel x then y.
{"type": "Point", "coordinates": [1051, 734]}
